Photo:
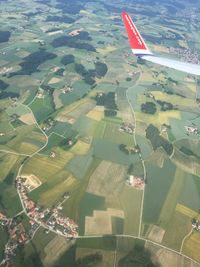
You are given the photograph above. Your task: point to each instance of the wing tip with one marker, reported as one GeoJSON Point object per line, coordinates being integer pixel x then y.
{"type": "Point", "coordinates": [137, 44]}
{"type": "Point", "coordinates": [124, 13]}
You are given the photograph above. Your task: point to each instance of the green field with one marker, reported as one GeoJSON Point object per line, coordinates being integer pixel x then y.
{"type": "Point", "coordinates": [80, 164]}
{"type": "Point", "coordinates": [159, 181]}
{"type": "Point", "coordinates": [173, 197]}
{"type": "Point", "coordinates": [62, 128]}
{"type": "Point", "coordinates": [88, 204]}
{"type": "Point", "coordinates": [190, 188]}
{"type": "Point", "coordinates": [112, 133]}
{"type": "Point", "coordinates": [26, 139]}
{"type": "Point", "coordinates": [110, 151]}
{"type": "Point", "coordinates": [42, 107]}
{"type": "Point", "coordinates": [4, 239]}
{"type": "Point", "coordinates": [54, 140]}
{"type": "Point", "coordinates": [131, 201]}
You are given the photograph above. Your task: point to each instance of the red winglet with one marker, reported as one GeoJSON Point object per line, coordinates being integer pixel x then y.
{"type": "Point", "coordinates": [136, 41]}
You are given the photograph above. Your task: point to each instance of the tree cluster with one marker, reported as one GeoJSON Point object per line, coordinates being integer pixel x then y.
{"type": "Point", "coordinates": [137, 257]}
{"type": "Point", "coordinates": [153, 134]}
{"type": "Point", "coordinates": [89, 260]}
{"type": "Point", "coordinates": [100, 69]}
{"type": "Point", "coordinates": [3, 85]}
{"type": "Point", "coordinates": [68, 59]}
{"type": "Point", "coordinates": [60, 19]}
{"type": "Point", "coordinates": [4, 36]}
{"type": "Point", "coordinates": [149, 108]}
{"type": "Point", "coordinates": [74, 41]}
{"type": "Point", "coordinates": [32, 62]}
{"type": "Point", "coordinates": [165, 105]}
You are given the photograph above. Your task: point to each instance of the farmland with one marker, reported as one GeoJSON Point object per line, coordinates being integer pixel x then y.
{"type": "Point", "coordinates": [92, 134]}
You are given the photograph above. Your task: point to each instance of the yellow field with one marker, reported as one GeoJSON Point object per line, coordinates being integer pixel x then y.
{"type": "Point", "coordinates": [176, 229]}
{"type": "Point", "coordinates": [192, 86]}
{"type": "Point", "coordinates": [54, 80]}
{"type": "Point", "coordinates": [51, 172]}
{"type": "Point", "coordinates": [101, 221]}
{"type": "Point", "coordinates": [39, 136]}
{"type": "Point", "coordinates": [53, 194]}
{"type": "Point", "coordinates": [183, 43]}
{"type": "Point", "coordinates": [45, 167]}
{"type": "Point", "coordinates": [22, 54]}
{"type": "Point", "coordinates": [99, 224]}
{"type": "Point", "coordinates": [174, 99]}
{"type": "Point", "coordinates": [141, 99]}
{"type": "Point", "coordinates": [26, 148]}
{"type": "Point", "coordinates": [156, 234]}
{"type": "Point", "coordinates": [80, 148]}
{"type": "Point", "coordinates": [28, 119]}
{"type": "Point", "coordinates": [147, 76]}
{"type": "Point", "coordinates": [106, 50]}
{"type": "Point", "coordinates": [158, 118]}
{"type": "Point", "coordinates": [186, 211]}
{"type": "Point", "coordinates": [5, 103]}
{"type": "Point", "coordinates": [85, 12]}
{"type": "Point", "coordinates": [191, 246]}
{"type": "Point", "coordinates": [71, 108]}
{"type": "Point", "coordinates": [107, 179]}
{"type": "Point", "coordinates": [96, 113]}
{"type": "Point", "coordinates": [29, 148]}
{"type": "Point", "coordinates": [159, 48]}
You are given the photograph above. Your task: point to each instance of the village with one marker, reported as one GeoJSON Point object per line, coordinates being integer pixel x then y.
{"type": "Point", "coordinates": [50, 219]}
{"type": "Point", "coordinates": [136, 182]}
{"type": "Point", "coordinates": [5, 70]}
{"type": "Point", "coordinates": [188, 55]}
{"type": "Point", "coordinates": [17, 237]}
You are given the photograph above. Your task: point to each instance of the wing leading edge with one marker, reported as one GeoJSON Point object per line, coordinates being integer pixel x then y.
{"type": "Point", "coordinates": [140, 49]}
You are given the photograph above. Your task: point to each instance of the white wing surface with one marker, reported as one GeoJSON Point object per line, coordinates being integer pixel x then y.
{"type": "Point", "coordinates": [141, 50]}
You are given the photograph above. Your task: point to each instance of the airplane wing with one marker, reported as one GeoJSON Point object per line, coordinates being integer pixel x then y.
{"type": "Point", "coordinates": [140, 49]}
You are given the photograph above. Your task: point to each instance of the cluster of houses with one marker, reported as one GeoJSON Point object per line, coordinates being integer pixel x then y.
{"type": "Point", "coordinates": [4, 220]}
{"type": "Point", "coordinates": [48, 124]}
{"type": "Point", "coordinates": [40, 94]}
{"type": "Point", "coordinates": [52, 220]}
{"type": "Point", "coordinates": [67, 89]}
{"type": "Point", "coordinates": [127, 128]}
{"type": "Point", "coordinates": [196, 224]}
{"type": "Point", "coordinates": [55, 69]}
{"type": "Point", "coordinates": [192, 130]}
{"type": "Point", "coordinates": [150, 95]}
{"type": "Point", "coordinates": [132, 73]}
{"type": "Point", "coordinates": [136, 182]}
{"type": "Point", "coordinates": [17, 236]}
{"type": "Point", "coordinates": [5, 70]}
{"type": "Point", "coordinates": [188, 55]}
{"type": "Point", "coordinates": [62, 225]}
